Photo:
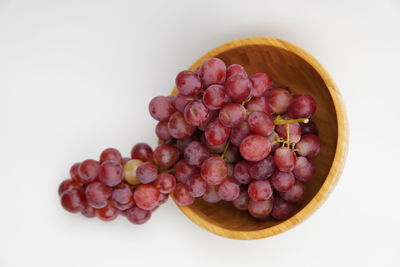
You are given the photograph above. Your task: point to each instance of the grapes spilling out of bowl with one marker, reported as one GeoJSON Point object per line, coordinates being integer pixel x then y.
{"type": "Point", "coordinates": [225, 136]}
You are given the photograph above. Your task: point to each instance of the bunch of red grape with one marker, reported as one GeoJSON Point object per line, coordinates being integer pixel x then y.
{"type": "Point", "coordinates": [225, 136]}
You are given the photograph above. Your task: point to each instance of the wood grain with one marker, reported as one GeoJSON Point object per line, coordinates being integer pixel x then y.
{"type": "Point", "coordinates": [288, 65]}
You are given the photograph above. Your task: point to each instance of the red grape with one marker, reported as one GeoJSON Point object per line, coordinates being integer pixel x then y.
{"type": "Point", "coordinates": [88, 211]}
{"type": "Point", "coordinates": [261, 123]}
{"type": "Point", "coordinates": [215, 149]}
{"type": "Point", "coordinates": [215, 97]}
{"type": "Point", "coordinates": [212, 114]}
{"type": "Point", "coordinates": [195, 153]}
{"type": "Point", "coordinates": [107, 213]}
{"type": "Point", "coordinates": [146, 196]}
{"type": "Point", "coordinates": [98, 194]}
{"type": "Point", "coordinates": [146, 172]}
{"type": "Point", "coordinates": [238, 87]}
{"type": "Point", "coordinates": [162, 131]}
{"type": "Point", "coordinates": [181, 101]}
{"type": "Point", "coordinates": [262, 169]}
{"type": "Point", "coordinates": [303, 106]}
{"type": "Point", "coordinates": [183, 171]}
{"type": "Point", "coordinates": [294, 131]}
{"type": "Point", "coordinates": [232, 154]}
{"type": "Point", "coordinates": [188, 82]}
{"type": "Point", "coordinates": [295, 193]}
{"type": "Point", "coordinates": [165, 183]}
{"type": "Point", "coordinates": [260, 190]}
{"type": "Point", "coordinates": [66, 185]}
{"type": "Point", "coordinates": [111, 173]}
{"type": "Point", "coordinates": [165, 156]}
{"type": "Point", "coordinates": [228, 189]}
{"type": "Point", "coordinates": [239, 133]}
{"type": "Point", "coordinates": [284, 159]}
{"type": "Point", "coordinates": [142, 151]}
{"type": "Point", "coordinates": [110, 154]}
{"type": "Point", "coordinates": [309, 145]}
{"type": "Point", "coordinates": [260, 84]}
{"type": "Point", "coordinates": [260, 209]}
{"type": "Point", "coordinates": [241, 172]}
{"type": "Point", "coordinates": [258, 104]}
{"type": "Point", "coordinates": [74, 172]}
{"type": "Point", "coordinates": [255, 147]}
{"type": "Point", "coordinates": [282, 181]}
{"type": "Point", "coordinates": [213, 71]}
{"type": "Point", "coordinates": [182, 195]}
{"type": "Point", "coordinates": [163, 198]}
{"type": "Point", "coordinates": [211, 195]}
{"type": "Point", "coordinates": [195, 113]}
{"type": "Point", "coordinates": [242, 201]}
{"type": "Point", "coordinates": [235, 69]}
{"type": "Point", "coordinates": [309, 128]}
{"type": "Point", "coordinates": [282, 209]}
{"type": "Point", "coordinates": [231, 115]}
{"type": "Point", "coordinates": [73, 200]}
{"type": "Point", "coordinates": [137, 215]}
{"type": "Point", "coordinates": [181, 144]}
{"type": "Point", "coordinates": [178, 127]}
{"type": "Point", "coordinates": [89, 170]}
{"type": "Point", "coordinates": [303, 169]}
{"type": "Point", "coordinates": [216, 133]}
{"type": "Point", "coordinates": [197, 186]}
{"type": "Point", "coordinates": [279, 100]}
{"type": "Point", "coordinates": [161, 107]}
{"type": "Point", "coordinates": [122, 197]}
{"type": "Point", "coordinates": [214, 170]}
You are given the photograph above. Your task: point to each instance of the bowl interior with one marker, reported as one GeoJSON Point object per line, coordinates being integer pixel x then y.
{"type": "Point", "coordinates": [285, 68]}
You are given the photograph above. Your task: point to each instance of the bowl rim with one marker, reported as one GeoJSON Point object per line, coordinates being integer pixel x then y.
{"type": "Point", "coordinates": [338, 161]}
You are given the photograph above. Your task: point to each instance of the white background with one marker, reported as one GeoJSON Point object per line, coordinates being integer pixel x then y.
{"type": "Point", "coordinates": [76, 77]}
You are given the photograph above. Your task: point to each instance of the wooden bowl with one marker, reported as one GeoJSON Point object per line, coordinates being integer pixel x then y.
{"type": "Point", "coordinates": [288, 65]}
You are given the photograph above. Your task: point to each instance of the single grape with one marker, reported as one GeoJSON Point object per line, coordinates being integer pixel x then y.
{"type": "Point", "coordinates": [137, 215]}
{"type": "Point", "coordinates": [282, 209]}
{"type": "Point", "coordinates": [216, 133]}
{"type": "Point", "coordinates": [178, 127]}
{"type": "Point", "coordinates": [111, 173]}
{"type": "Point", "coordinates": [308, 146]}
{"type": "Point", "coordinates": [232, 154]}
{"type": "Point", "coordinates": [303, 169]}
{"type": "Point", "coordinates": [309, 128]}
{"type": "Point", "coordinates": [188, 82]}
{"type": "Point", "coordinates": [142, 151]}
{"type": "Point", "coordinates": [241, 172]}
{"type": "Point", "coordinates": [162, 131]}
{"type": "Point", "coordinates": [239, 133]}
{"type": "Point", "coordinates": [146, 173]}
{"type": "Point", "coordinates": [165, 183]}
{"type": "Point", "coordinates": [238, 87]}
{"type": "Point", "coordinates": [88, 211]}
{"type": "Point", "coordinates": [165, 156]}
{"type": "Point", "coordinates": [295, 193]}
{"type": "Point", "coordinates": [182, 195]}
{"type": "Point", "coordinates": [255, 147]}
{"type": "Point", "coordinates": [211, 195]}
{"type": "Point", "coordinates": [161, 107]}
{"type": "Point", "coordinates": [195, 153]}
{"type": "Point", "coordinates": [279, 100]}
{"type": "Point", "coordinates": [262, 169]}
{"type": "Point", "coordinates": [235, 69]}
{"type": "Point", "coordinates": [195, 113]}
{"type": "Point", "coordinates": [212, 71]}
{"type": "Point", "coordinates": [294, 131]}
{"type": "Point", "coordinates": [273, 137]}
{"type": "Point", "coordinates": [260, 209]}
{"type": "Point", "coordinates": [228, 189]}
{"type": "Point", "coordinates": [284, 159]}
{"type": "Point", "coordinates": [73, 200]}
{"type": "Point", "coordinates": [181, 101]}
{"type": "Point", "coordinates": [258, 104]}
{"type": "Point", "coordinates": [215, 97]}
{"type": "Point", "coordinates": [260, 190]}
{"type": "Point", "coordinates": [130, 171]}
{"type": "Point", "coordinates": [74, 172]}
{"type": "Point", "coordinates": [261, 123]}
{"type": "Point", "coordinates": [163, 198]}
{"type": "Point", "coordinates": [183, 171]}
{"type": "Point", "coordinates": [146, 196]}
{"type": "Point", "coordinates": [89, 170]}
{"type": "Point", "coordinates": [97, 194]}
{"type": "Point", "coordinates": [232, 114]}
{"type": "Point", "coordinates": [66, 185]}
{"type": "Point", "coordinates": [260, 84]}
{"type": "Point", "coordinates": [110, 154]}
{"type": "Point", "coordinates": [303, 106]}
{"type": "Point", "coordinates": [197, 186]}
{"type": "Point", "coordinates": [122, 197]}
{"type": "Point", "coordinates": [282, 181]}
{"type": "Point", "coordinates": [242, 202]}
{"type": "Point", "coordinates": [107, 213]}
{"type": "Point", "coordinates": [214, 170]}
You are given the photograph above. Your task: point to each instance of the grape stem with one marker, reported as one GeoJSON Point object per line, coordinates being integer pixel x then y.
{"type": "Point", "coordinates": [225, 149]}
{"type": "Point", "coordinates": [279, 121]}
